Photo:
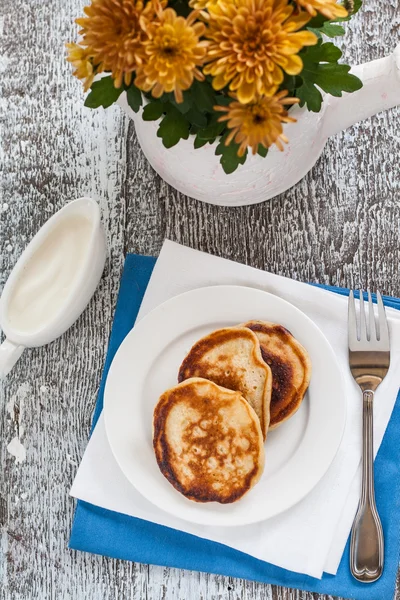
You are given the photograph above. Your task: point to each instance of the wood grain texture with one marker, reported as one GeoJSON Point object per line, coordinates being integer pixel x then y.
{"type": "Point", "coordinates": [339, 225]}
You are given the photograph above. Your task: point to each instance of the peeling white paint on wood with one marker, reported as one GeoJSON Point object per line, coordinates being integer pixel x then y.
{"type": "Point", "coordinates": [340, 225]}
{"type": "Point", "coordinates": [17, 449]}
{"type": "Point", "coordinates": [15, 409]}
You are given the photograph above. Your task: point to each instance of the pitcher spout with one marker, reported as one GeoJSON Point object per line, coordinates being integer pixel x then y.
{"type": "Point", "coordinates": [380, 91]}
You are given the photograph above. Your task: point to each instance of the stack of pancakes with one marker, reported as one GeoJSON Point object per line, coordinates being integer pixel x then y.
{"type": "Point", "coordinates": [234, 385]}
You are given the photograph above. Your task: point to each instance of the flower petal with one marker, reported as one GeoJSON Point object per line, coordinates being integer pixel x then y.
{"type": "Point", "coordinates": [246, 91]}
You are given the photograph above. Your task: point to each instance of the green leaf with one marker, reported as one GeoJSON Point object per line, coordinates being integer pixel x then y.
{"type": "Point", "coordinates": [327, 52]}
{"type": "Point", "coordinates": [317, 21]}
{"type": "Point", "coordinates": [208, 135]}
{"type": "Point", "coordinates": [262, 150]}
{"type": "Point", "coordinates": [310, 95]}
{"type": "Point", "coordinates": [211, 131]}
{"type": "Point", "coordinates": [184, 106]}
{"type": "Point", "coordinates": [289, 83]}
{"type": "Point", "coordinates": [329, 29]}
{"type": "Point", "coordinates": [321, 70]}
{"type": "Point", "coordinates": [153, 111]}
{"type": "Point", "coordinates": [335, 79]}
{"type": "Point", "coordinates": [103, 93]}
{"type": "Point", "coordinates": [134, 97]}
{"type": "Point", "coordinates": [173, 128]}
{"type": "Point", "coordinates": [195, 117]}
{"type": "Point", "coordinates": [229, 159]}
{"type": "Point", "coordinates": [203, 96]}
{"type": "Point", "coordinates": [223, 100]}
{"type": "Point", "coordinates": [198, 142]}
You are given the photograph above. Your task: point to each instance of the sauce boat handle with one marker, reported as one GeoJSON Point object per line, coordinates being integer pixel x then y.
{"type": "Point", "coordinates": [9, 354]}
{"type": "Point", "coordinates": [380, 91]}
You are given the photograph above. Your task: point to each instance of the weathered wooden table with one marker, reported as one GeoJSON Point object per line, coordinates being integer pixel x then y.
{"type": "Point", "coordinates": [340, 225]}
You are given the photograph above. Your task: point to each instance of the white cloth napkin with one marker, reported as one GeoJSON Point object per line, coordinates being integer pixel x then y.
{"type": "Point", "coordinates": [310, 537]}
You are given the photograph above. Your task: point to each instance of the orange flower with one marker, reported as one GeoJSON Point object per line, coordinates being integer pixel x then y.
{"type": "Point", "coordinates": [113, 29]}
{"type": "Point", "coordinates": [173, 54]}
{"type": "Point", "coordinates": [199, 4]}
{"type": "Point", "coordinates": [257, 122]}
{"type": "Point", "coordinates": [80, 58]}
{"type": "Point", "coordinates": [328, 8]}
{"type": "Point", "coordinates": [253, 42]}
{"type": "Point", "coordinates": [202, 6]}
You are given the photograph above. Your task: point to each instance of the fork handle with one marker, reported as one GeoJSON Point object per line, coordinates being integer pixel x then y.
{"type": "Point", "coordinates": [366, 548]}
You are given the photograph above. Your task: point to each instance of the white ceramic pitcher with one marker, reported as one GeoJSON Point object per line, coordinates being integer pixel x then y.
{"type": "Point", "coordinates": [197, 173]}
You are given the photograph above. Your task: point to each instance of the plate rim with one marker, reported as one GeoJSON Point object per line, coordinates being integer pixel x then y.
{"type": "Point", "coordinates": [164, 306]}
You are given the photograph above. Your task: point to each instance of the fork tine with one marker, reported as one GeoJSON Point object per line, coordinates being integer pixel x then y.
{"type": "Point", "coordinates": [363, 323]}
{"type": "Point", "coordinates": [383, 326]}
{"type": "Point", "coordinates": [373, 334]}
{"type": "Point", "coordinates": [352, 320]}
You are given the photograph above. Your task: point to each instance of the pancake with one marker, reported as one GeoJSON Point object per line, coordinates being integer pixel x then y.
{"type": "Point", "coordinates": [231, 357]}
{"type": "Point", "coordinates": [208, 441]}
{"type": "Point", "coordinates": [290, 365]}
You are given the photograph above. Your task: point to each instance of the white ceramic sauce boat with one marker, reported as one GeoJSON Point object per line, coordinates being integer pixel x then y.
{"type": "Point", "coordinates": [77, 296]}
{"type": "Point", "coordinates": [197, 173]}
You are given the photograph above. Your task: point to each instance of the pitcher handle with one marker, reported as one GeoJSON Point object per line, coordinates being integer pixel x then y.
{"type": "Point", "coordinates": [9, 354]}
{"type": "Point", "coordinates": [380, 91]}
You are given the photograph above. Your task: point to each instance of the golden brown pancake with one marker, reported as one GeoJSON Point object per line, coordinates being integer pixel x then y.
{"type": "Point", "coordinates": [290, 365]}
{"type": "Point", "coordinates": [231, 357]}
{"type": "Point", "coordinates": [208, 441]}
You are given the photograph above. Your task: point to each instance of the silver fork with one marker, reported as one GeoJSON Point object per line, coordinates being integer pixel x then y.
{"type": "Point", "coordinates": [369, 358]}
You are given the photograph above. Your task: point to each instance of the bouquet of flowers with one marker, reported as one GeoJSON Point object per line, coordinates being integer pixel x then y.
{"type": "Point", "coordinates": [224, 71]}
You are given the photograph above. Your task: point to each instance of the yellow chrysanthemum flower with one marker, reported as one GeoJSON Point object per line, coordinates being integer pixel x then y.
{"type": "Point", "coordinates": [199, 4]}
{"type": "Point", "coordinates": [257, 122]}
{"type": "Point", "coordinates": [80, 58]}
{"type": "Point", "coordinates": [173, 54]}
{"type": "Point", "coordinates": [329, 8]}
{"type": "Point", "coordinates": [253, 42]}
{"type": "Point", "coordinates": [113, 29]}
{"type": "Point", "coordinates": [202, 4]}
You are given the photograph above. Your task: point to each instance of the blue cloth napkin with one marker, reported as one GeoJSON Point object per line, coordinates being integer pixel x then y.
{"type": "Point", "coordinates": [116, 535]}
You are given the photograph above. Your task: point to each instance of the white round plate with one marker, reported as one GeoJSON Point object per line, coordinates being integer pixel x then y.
{"type": "Point", "coordinates": [297, 454]}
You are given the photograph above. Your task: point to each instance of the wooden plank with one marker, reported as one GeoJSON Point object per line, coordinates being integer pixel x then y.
{"type": "Point", "coordinates": [339, 225]}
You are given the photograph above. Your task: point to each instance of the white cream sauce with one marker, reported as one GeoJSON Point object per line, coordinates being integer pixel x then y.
{"type": "Point", "coordinates": [49, 275]}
